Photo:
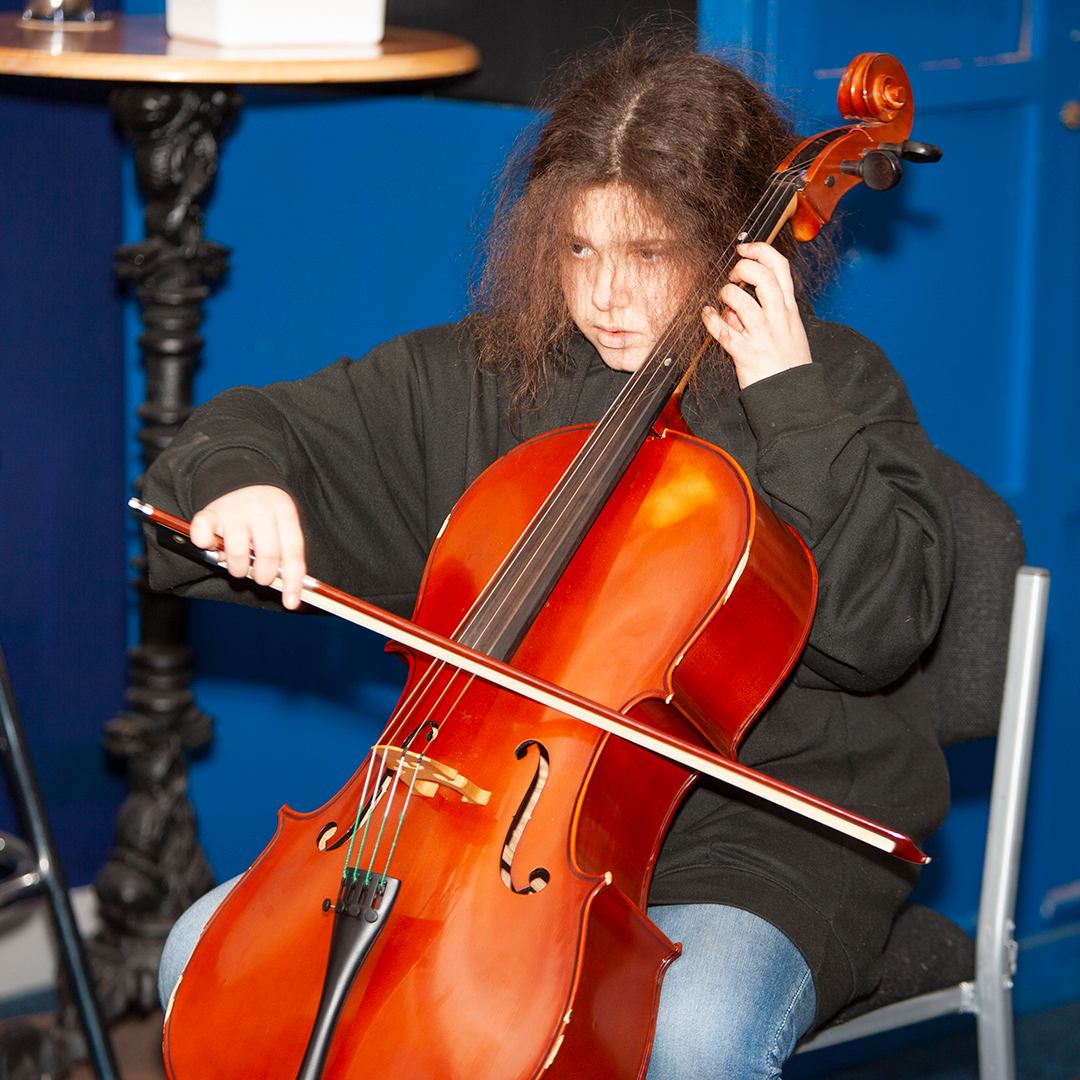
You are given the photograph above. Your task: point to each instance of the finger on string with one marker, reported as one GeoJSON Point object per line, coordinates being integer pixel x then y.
{"type": "Point", "coordinates": [744, 306]}
{"type": "Point", "coordinates": [767, 256]}
{"type": "Point", "coordinates": [733, 322]}
{"type": "Point", "coordinates": [724, 328]}
{"type": "Point", "coordinates": [768, 288]}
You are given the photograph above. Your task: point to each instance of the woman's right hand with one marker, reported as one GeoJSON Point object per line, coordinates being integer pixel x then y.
{"type": "Point", "coordinates": [260, 521]}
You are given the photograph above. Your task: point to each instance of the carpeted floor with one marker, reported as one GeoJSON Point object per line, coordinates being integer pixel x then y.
{"type": "Point", "coordinates": [138, 1051]}
{"type": "Point", "coordinates": [1047, 1046]}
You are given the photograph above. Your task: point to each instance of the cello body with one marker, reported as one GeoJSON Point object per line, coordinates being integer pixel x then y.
{"type": "Point", "coordinates": [518, 945]}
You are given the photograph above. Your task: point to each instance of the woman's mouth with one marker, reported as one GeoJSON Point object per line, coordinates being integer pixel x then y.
{"type": "Point", "coordinates": [614, 337]}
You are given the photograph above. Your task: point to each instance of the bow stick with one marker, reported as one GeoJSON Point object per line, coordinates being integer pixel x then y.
{"type": "Point", "coordinates": [336, 602]}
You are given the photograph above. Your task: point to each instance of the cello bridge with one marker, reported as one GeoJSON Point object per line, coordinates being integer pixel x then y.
{"type": "Point", "coordinates": [430, 774]}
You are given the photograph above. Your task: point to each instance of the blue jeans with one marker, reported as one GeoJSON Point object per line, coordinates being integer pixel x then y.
{"type": "Point", "coordinates": [736, 1002]}
{"type": "Point", "coordinates": [180, 943]}
{"type": "Point", "coordinates": [732, 1007]}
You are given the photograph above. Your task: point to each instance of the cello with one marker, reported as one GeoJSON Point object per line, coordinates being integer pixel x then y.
{"type": "Point", "coordinates": [495, 874]}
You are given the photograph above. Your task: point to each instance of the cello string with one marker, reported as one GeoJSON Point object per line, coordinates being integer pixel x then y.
{"type": "Point", "coordinates": [368, 789]}
{"type": "Point", "coordinates": [435, 727]}
{"type": "Point", "coordinates": [582, 473]}
{"type": "Point", "coordinates": [385, 770]}
{"type": "Point", "coordinates": [428, 725]}
{"type": "Point", "coordinates": [365, 819]}
{"type": "Point", "coordinates": [385, 817]}
{"type": "Point", "coordinates": [366, 811]}
{"type": "Point", "coordinates": [397, 833]}
{"type": "Point", "coordinates": [404, 713]}
{"type": "Point", "coordinates": [766, 206]}
{"type": "Point", "coordinates": [601, 439]}
{"type": "Point", "coordinates": [772, 200]}
{"type": "Point", "coordinates": [360, 808]}
{"type": "Point", "coordinates": [578, 474]}
{"type": "Point", "coordinates": [401, 817]}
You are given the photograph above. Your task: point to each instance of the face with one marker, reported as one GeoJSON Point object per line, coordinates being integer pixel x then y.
{"type": "Point", "coordinates": [619, 275]}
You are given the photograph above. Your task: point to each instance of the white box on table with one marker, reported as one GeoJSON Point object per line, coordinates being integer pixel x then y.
{"type": "Point", "coordinates": [277, 22]}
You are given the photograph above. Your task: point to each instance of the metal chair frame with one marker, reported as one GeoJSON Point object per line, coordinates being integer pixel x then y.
{"type": "Point", "coordinates": [989, 995]}
{"type": "Point", "coordinates": [37, 870]}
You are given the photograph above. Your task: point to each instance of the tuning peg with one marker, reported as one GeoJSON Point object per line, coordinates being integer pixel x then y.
{"type": "Point", "coordinates": [878, 169]}
{"type": "Point", "coordinates": [919, 152]}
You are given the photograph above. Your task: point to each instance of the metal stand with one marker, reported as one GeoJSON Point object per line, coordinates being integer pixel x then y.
{"type": "Point", "coordinates": [36, 868]}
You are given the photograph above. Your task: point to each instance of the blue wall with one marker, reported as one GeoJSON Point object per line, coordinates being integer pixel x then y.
{"type": "Point", "coordinates": [349, 214]}
{"type": "Point", "coordinates": [62, 574]}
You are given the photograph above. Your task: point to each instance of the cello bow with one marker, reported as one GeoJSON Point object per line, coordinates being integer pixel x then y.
{"type": "Point", "coordinates": [176, 535]}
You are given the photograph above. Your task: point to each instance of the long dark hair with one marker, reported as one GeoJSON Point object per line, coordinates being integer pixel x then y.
{"type": "Point", "coordinates": [693, 138]}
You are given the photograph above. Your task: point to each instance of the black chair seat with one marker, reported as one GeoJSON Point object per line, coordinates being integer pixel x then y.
{"type": "Point", "coordinates": [925, 952]}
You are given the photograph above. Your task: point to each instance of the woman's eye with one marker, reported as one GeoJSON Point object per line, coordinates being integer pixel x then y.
{"type": "Point", "coordinates": [649, 255]}
{"type": "Point", "coordinates": [578, 249]}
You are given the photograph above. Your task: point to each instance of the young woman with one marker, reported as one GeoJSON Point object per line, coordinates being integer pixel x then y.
{"type": "Point", "coordinates": [643, 173]}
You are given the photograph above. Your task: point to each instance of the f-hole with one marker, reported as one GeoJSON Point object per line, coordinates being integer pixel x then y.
{"type": "Point", "coordinates": [327, 838]}
{"type": "Point", "coordinates": [538, 877]}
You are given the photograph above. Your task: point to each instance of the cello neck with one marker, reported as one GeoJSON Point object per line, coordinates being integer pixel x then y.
{"type": "Point", "coordinates": [508, 605]}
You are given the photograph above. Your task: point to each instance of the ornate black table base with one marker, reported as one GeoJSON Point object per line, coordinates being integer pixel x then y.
{"type": "Point", "coordinates": [157, 867]}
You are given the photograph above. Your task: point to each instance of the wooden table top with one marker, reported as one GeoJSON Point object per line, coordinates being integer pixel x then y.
{"type": "Point", "coordinates": [135, 48]}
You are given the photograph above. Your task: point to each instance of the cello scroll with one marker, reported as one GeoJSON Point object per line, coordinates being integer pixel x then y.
{"type": "Point", "coordinates": [876, 93]}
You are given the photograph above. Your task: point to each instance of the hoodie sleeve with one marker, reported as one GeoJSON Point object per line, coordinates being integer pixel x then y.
{"type": "Point", "coordinates": [843, 459]}
{"type": "Point", "coordinates": [347, 443]}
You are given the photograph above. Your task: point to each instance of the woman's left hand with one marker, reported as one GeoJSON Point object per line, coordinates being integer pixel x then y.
{"type": "Point", "coordinates": [764, 335]}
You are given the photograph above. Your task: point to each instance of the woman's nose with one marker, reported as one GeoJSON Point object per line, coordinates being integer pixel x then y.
{"type": "Point", "coordinates": [609, 286]}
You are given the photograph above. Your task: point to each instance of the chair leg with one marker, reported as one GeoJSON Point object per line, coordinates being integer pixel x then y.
{"type": "Point", "coordinates": [997, 1054]}
{"type": "Point", "coordinates": [995, 943]}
